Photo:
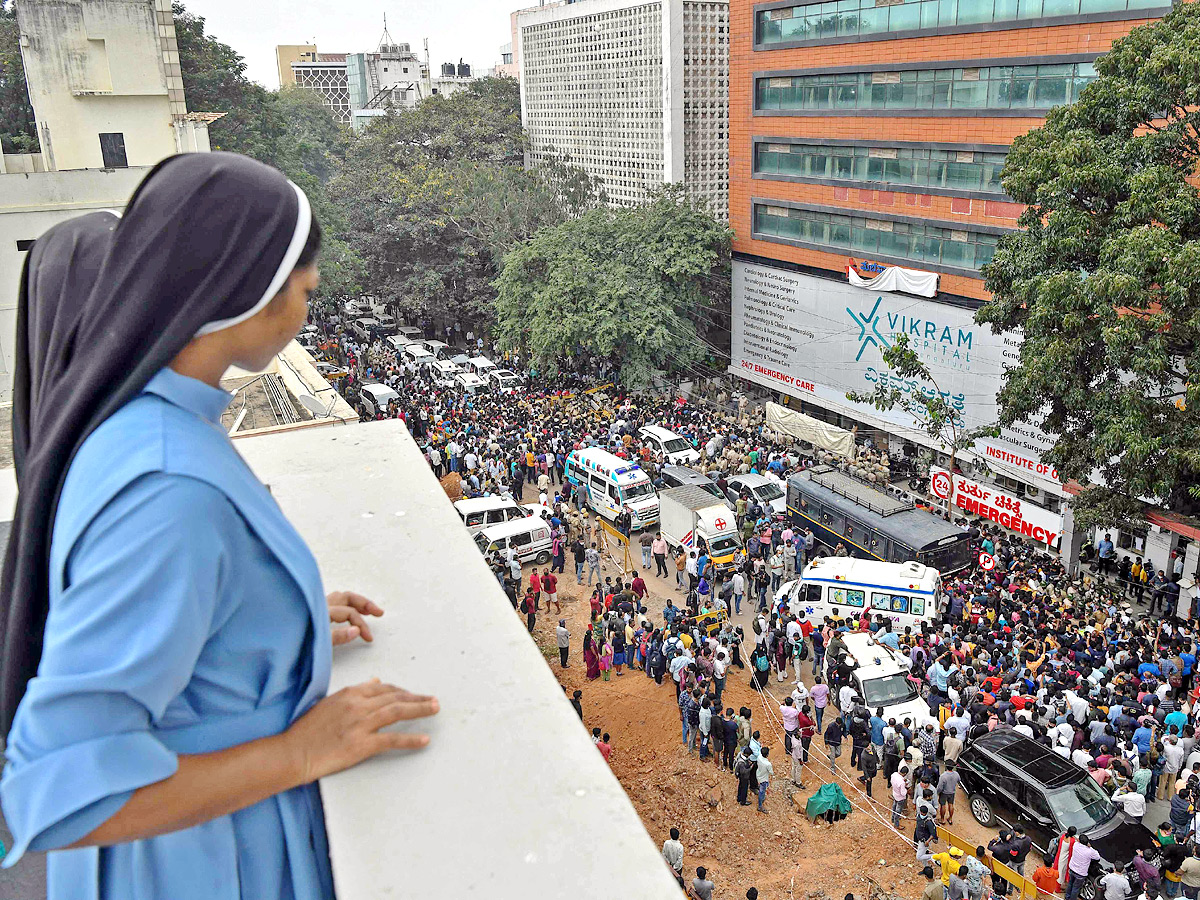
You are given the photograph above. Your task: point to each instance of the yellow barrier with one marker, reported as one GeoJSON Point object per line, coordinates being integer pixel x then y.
{"type": "Point", "coordinates": [1025, 886]}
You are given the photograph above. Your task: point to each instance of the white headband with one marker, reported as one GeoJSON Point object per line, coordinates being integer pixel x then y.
{"type": "Point", "coordinates": [299, 238]}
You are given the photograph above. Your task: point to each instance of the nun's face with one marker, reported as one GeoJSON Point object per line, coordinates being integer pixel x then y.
{"type": "Point", "coordinates": [280, 321]}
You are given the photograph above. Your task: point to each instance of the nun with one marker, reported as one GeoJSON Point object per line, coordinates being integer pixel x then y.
{"type": "Point", "coordinates": [165, 637]}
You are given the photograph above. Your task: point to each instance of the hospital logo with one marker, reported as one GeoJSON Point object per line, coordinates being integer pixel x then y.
{"type": "Point", "coordinates": [868, 329]}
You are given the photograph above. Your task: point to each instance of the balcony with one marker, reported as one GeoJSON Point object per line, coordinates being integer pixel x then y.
{"type": "Point", "coordinates": [510, 799]}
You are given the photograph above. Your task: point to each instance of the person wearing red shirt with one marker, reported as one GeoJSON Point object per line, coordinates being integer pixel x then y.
{"type": "Point", "coordinates": [638, 587]}
{"type": "Point", "coordinates": [535, 585]}
{"type": "Point", "coordinates": [605, 747]}
{"type": "Point", "coordinates": [550, 589]}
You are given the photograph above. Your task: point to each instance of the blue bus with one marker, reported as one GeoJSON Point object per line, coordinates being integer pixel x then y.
{"type": "Point", "coordinates": [871, 524]}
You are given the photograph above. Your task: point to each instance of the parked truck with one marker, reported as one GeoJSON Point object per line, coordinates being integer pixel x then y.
{"type": "Point", "coordinates": [691, 517]}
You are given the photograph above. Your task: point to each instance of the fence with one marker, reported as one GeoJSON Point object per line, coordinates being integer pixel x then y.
{"type": "Point", "coordinates": [1025, 887]}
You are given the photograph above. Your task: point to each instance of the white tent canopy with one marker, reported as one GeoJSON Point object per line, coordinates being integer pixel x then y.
{"type": "Point", "coordinates": [806, 428]}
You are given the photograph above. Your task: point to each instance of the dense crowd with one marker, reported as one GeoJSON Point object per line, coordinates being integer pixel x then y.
{"type": "Point", "coordinates": [1073, 663]}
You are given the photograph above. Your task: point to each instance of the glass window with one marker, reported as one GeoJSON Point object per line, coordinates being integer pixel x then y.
{"type": "Point", "coordinates": [998, 87]}
{"type": "Point", "coordinates": [917, 607]}
{"type": "Point", "coordinates": [849, 18]}
{"type": "Point", "coordinates": [928, 244]}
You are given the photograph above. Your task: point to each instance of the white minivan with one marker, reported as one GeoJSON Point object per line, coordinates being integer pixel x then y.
{"type": "Point", "coordinates": [442, 371]}
{"type": "Point", "coordinates": [478, 513]}
{"type": "Point", "coordinates": [469, 383]}
{"type": "Point", "coordinates": [440, 349]}
{"type": "Point", "coordinates": [676, 450]}
{"type": "Point", "coordinates": [376, 397]}
{"type": "Point", "coordinates": [528, 537]}
{"type": "Point", "coordinates": [880, 676]}
{"type": "Point", "coordinates": [481, 366]}
{"type": "Point", "coordinates": [416, 354]}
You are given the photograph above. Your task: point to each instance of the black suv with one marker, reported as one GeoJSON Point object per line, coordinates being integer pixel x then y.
{"type": "Point", "coordinates": [1011, 779]}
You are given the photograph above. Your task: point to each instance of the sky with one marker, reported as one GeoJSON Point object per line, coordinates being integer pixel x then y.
{"type": "Point", "coordinates": [471, 29]}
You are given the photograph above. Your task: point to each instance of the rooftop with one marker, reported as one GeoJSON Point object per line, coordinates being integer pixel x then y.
{"type": "Point", "coordinates": [511, 799]}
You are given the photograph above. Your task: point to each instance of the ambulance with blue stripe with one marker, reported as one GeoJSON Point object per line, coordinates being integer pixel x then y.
{"type": "Point", "coordinates": [610, 485]}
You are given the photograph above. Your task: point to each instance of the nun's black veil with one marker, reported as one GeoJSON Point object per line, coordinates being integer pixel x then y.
{"type": "Point", "coordinates": [205, 241]}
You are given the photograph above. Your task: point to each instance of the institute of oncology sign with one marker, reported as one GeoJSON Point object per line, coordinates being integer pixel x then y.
{"type": "Point", "coordinates": [806, 335]}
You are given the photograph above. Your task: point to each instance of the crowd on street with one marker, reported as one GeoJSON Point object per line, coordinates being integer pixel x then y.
{"type": "Point", "coordinates": [1074, 662]}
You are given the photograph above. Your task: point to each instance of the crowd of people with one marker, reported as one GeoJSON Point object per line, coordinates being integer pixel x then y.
{"type": "Point", "coordinates": [1072, 661]}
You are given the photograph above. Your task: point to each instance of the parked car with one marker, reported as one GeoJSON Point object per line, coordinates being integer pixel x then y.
{"type": "Point", "coordinates": [674, 448]}
{"type": "Point", "coordinates": [387, 323]}
{"type": "Point", "coordinates": [763, 488]}
{"type": "Point", "coordinates": [376, 397]}
{"type": "Point", "coordinates": [677, 476]}
{"type": "Point", "coordinates": [1011, 779]}
{"type": "Point", "coordinates": [440, 349]}
{"type": "Point", "coordinates": [410, 332]}
{"type": "Point", "coordinates": [504, 380]}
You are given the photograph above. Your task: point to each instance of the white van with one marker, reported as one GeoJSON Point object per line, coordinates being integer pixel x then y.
{"type": "Point", "coordinates": [440, 349]}
{"type": "Point", "coordinates": [842, 586]}
{"type": "Point", "coordinates": [677, 450]}
{"type": "Point", "coordinates": [609, 484]}
{"type": "Point", "coordinates": [469, 382]}
{"type": "Point", "coordinates": [482, 512]}
{"type": "Point", "coordinates": [408, 332]}
{"type": "Point", "coordinates": [504, 380]}
{"type": "Point", "coordinates": [529, 537]}
{"type": "Point", "coordinates": [443, 371]}
{"type": "Point", "coordinates": [481, 366]}
{"type": "Point", "coordinates": [376, 397]}
{"type": "Point", "coordinates": [763, 488]}
{"type": "Point", "coordinates": [881, 678]}
{"type": "Point", "coordinates": [416, 353]}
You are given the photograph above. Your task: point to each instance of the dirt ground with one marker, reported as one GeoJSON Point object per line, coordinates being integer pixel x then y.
{"type": "Point", "coordinates": [778, 851]}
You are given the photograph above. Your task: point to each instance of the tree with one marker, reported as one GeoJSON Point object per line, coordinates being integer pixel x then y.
{"type": "Point", "coordinates": [624, 285]}
{"type": "Point", "coordinates": [18, 133]}
{"type": "Point", "coordinates": [433, 197]}
{"type": "Point", "coordinates": [1104, 279]}
{"type": "Point", "coordinates": [931, 410]}
{"type": "Point", "coordinates": [214, 80]}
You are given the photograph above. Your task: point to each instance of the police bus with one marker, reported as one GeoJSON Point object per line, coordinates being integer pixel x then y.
{"type": "Point", "coordinates": [871, 524]}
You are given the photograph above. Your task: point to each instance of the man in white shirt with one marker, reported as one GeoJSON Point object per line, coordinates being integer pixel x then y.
{"type": "Point", "coordinates": [672, 851]}
{"type": "Point", "coordinates": [764, 773]}
{"type": "Point", "coordinates": [738, 583]}
{"type": "Point", "coordinates": [1132, 802]}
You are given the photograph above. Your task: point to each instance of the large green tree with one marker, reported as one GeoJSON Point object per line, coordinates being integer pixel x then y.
{"type": "Point", "coordinates": [18, 133]}
{"type": "Point", "coordinates": [435, 196]}
{"type": "Point", "coordinates": [1104, 278]}
{"type": "Point", "coordinates": [625, 285]}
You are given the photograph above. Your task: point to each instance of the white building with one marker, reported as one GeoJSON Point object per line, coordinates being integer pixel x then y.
{"type": "Point", "coordinates": [107, 96]}
{"type": "Point", "coordinates": [326, 76]}
{"type": "Point", "coordinates": [635, 93]}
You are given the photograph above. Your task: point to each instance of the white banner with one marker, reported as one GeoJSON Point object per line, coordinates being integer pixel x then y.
{"type": "Point", "coordinates": [896, 278]}
{"type": "Point", "coordinates": [809, 336]}
{"type": "Point", "coordinates": [985, 501]}
{"type": "Point", "coordinates": [806, 428]}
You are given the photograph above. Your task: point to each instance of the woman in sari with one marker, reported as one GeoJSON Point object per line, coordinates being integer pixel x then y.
{"type": "Point", "coordinates": [606, 659]}
{"type": "Point", "coordinates": [590, 659]}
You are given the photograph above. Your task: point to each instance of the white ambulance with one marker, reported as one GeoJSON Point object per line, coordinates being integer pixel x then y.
{"type": "Point", "coordinates": [843, 587]}
{"type": "Point", "coordinates": [610, 485]}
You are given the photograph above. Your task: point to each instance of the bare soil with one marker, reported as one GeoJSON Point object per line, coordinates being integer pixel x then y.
{"type": "Point", "coordinates": [777, 851]}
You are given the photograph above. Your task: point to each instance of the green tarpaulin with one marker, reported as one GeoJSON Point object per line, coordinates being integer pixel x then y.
{"type": "Point", "coordinates": [828, 797]}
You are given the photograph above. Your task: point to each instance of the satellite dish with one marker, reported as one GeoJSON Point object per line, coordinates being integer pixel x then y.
{"type": "Point", "coordinates": [315, 406]}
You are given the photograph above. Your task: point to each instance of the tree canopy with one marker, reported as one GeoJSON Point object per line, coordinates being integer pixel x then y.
{"type": "Point", "coordinates": [627, 285]}
{"type": "Point", "coordinates": [435, 196]}
{"type": "Point", "coordinates": [1104, 278]}
{"type": "Point", "coordinates": [18, 133]}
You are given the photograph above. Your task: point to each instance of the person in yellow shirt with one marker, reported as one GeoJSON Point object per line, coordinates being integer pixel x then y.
{"type": "Point", "coordinates": [949, 860]}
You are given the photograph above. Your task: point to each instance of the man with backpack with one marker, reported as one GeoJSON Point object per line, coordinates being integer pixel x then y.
{"type": "Point", "coordinates": [744, 772]}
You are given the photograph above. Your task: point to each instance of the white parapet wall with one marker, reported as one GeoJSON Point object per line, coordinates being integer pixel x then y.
{"type": "Point", "coordinates": [511, 799]}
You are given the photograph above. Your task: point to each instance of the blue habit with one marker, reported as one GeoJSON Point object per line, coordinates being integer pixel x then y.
{"type": "Point", "coordinates": [186, 616]}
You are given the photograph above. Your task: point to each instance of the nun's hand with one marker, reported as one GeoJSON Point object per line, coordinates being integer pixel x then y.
{"type": "Point", "coordinates": [347, 727]}
{"type": "Point", "coordinates": [348, 608]}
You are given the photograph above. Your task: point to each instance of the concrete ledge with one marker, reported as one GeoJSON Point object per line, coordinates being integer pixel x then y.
{"type": "Point", "coordinates": [510, 800]}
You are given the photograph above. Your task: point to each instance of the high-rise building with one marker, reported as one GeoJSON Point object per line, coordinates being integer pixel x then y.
{"type": "Point", "coordinates": [865, 195]}
{"type": "Point", "coordinates": [634, 93]}
{"type": "Point", "coordinates": [286, 54]}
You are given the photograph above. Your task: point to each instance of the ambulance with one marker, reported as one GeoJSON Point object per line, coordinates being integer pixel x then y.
{"type": "Point", "coordinates": [611, 485]}
{"type": "Point", "coordinates": [843, 587]}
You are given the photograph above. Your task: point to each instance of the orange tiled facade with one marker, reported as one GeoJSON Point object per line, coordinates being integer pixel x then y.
{"type": "Point", "coordinates": [1070, 38]}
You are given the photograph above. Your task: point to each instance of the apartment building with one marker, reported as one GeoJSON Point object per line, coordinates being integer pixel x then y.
{"type": "Point", "coordinates": [633, 92]}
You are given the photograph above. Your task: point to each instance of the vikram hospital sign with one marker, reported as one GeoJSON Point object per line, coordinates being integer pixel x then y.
{"type": "Point", "coordinates": [815, 337]}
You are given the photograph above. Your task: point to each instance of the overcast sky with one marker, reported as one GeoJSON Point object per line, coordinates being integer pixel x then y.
{"type": "Point", "coordinates": [471, 29]}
